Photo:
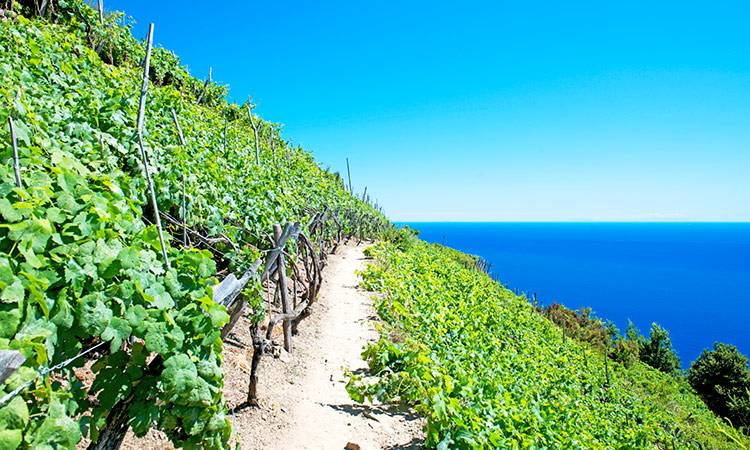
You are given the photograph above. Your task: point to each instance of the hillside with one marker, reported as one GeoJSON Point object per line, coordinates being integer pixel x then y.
{"type": "Point", "coordinates": [113, 327]}
{"type": "Point", "coordinates": [488, 371]}
{"type": "Point", "coordinates": [125, 206]}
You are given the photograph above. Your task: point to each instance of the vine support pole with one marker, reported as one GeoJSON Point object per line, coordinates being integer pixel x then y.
{"type": "Point", "coordinates": [285, 307]}
{"type": "Point", "coordinates": [225, 134]}
{"type": "Point", "coordinates": [606, 366]}
{"type": "Point", "coordinates": [184, 200]}
{"type": "Point", "coordinates": [273, 147]}
{"type": "Point", "coordinates": [205, 86]}
{"type": "Point", "coordinates": [16, 163]}
{"type": "Point", "coordinates": [349, 173]}
{"type": "Point", "coordinates": [139, 133]}
{"type": "Point", "coordinates": [288, 159]}
{"type": "Point", "coordinates": [255, 131]}
{"type": "Point", "coordinates": [10, 361]}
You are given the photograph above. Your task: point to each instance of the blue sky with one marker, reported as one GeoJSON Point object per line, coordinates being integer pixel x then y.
{"type": "Point", "coordinates": [495, 111]}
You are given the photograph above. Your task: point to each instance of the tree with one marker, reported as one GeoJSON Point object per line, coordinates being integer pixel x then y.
{"type": "Point", "coordinates": [722, 378]}
{"type": "Point", "coordinates": [657, 351]}
{"type": "Point", "coordinates": [633, 334]}
{"type": "Point", "coordinates": [626, 347]}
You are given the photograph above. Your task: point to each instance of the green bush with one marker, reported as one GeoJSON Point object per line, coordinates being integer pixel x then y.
{"type": "Point", "coordinates": [624, 351]}
{"type": "Point", "coordinates": [581, 325]}
{"type": "Point", "coordinates": [722, 378]}
{"type": "Point", "coordinates": [404, 238]}
{"type": "Point", "coordinates": [657, 351]}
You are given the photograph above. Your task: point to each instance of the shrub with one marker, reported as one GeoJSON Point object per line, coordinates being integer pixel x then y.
{"type": "Point", "coordinates": [403, 238]}
{"type": "Point", "coordinates": [722, 378]}
{"type": "Point", "coordinates": [581, 325]}
{"type": "Point", "coordinates": [625, 352]}
{"type": "Point", "coordinates": [657, 351]}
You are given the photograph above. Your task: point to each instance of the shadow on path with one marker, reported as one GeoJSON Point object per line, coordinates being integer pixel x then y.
{"type": "Point", "coordinates": [368, 411]}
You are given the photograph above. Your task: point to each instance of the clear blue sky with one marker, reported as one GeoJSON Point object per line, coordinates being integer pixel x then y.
{"type": "Point", "coordinates": [495, 111]}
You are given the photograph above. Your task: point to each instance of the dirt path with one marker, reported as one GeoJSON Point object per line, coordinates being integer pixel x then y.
{"type": "Point", "coordinates": [304, 403]}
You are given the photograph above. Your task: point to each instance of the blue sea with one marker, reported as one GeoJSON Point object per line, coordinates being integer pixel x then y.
{"type": "Point", "coordinates": [691, 278]}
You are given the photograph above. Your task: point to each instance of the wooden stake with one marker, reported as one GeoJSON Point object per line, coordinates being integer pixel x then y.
{"type": "Point", "coordinates": [606, 366]}
{"type": "Point", "coordinates": [288, 159]}
{"type": "Point", "coordinates": [139, 133]}
{"type": "Point", "coordinates": [205, 86]}
{"type": "Point", "coordinates": [350, 176]}
{"type": "Point", "coordinates": [101, 12]}
{"type": "Point", "coordinates": [179, 129]}
{"type": "Point", "coordinates": [10, 361]}
{"type": "Point", "coordinates": [273, 147]}
{"type": "Point", "coordinates": [43, 9]}
{"type": "Point", "coordinates": [255, 132]}
{"type": "Point", "coordinates": [184, 201]}
{"type": "Point", "coordinates": [16, 163]}
{"type": "Point", "coordinates": [225, 134]}
{"type": "Point", "coordinates": [563, 331]}
{"type": "Point", "coordinates": [285, 307]}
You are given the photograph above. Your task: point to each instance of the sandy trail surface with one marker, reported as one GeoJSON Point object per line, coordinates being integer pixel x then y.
{"type": "Point", "coordinates": [303, 400]}
{"type": "Point", "coordinates": [315, 411]}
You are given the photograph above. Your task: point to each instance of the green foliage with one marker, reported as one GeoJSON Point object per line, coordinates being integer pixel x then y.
{"type": "Point", "coordinates": [657, 351]}
{"type": "Point", "coordinates": [79, 262]}
{"type": "Point", "coordinates": [402, 237]}
{"type": "Point", "coordinates": [624, 352]}
{"type": "Point", "coordinates": [581, 325]}
{"type": "Point", "coordinates": [722, 378]}
{"type": "Point", "coordinates": [488, 371]}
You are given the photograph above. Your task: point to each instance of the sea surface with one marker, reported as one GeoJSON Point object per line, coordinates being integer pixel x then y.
{"type": "Point", "coordinates": [691, 278]}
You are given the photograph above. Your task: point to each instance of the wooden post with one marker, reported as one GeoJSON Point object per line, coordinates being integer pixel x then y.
{"type": "Point", "coordinates": [364, 194]}
{"type": "Point", "coordinates": [184, 203]}
{"type": "Point", "coordinates": [101, 44]}
{"type": "Point", "coordinates": [281, 272]}
{"type": "Point", "coordinates": [273, 147]}
{"type": "Point", "coordinates": [184, 213]}
{"type": "Point", "coordinates": [563, 330]}
{"type": "Point", "coordinates": [252, 389]}
{"type": "Point", "coordinates": [285, 307]}
{"type": "Point", "coordinates": [255, 132]}
{"type": "Point", "coordinates": [350, 176]}
{"type": "Point", "coordinates": [16, 163]}
{"type": "Point", "coordinates": [288, 159]}
{"type": "Point", "coordinates": [139, 133]}
{"type": "Point", "coordinates": [205, 86]}
{"type": "Point", "coordinates": [225, 134]}
{"type": "Point", "coordinates": [10, 361]}
{"type": "Point", "coordinates": [101, 12]}
{"type": "Point", "coordinates": [606, 366]}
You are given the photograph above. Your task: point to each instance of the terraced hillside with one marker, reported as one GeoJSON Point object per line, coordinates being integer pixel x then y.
{"type": "Point", "coordinates": [82, 267]}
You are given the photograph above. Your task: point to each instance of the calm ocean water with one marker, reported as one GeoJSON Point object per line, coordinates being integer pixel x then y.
{"type": "Point", "coordinates": [691, 278]}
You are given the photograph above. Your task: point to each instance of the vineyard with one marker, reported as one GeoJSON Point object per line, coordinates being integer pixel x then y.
{"type": "Point", "coordinates": [143, 215]}
{"type": "Point", "coordinates": [489, 371]}
{"type": "Point", "coordinates": [129, 190]}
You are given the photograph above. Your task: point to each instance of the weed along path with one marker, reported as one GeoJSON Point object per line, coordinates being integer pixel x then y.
{"type": "Point", "coordinates": [304, 404]}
